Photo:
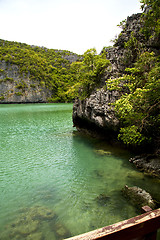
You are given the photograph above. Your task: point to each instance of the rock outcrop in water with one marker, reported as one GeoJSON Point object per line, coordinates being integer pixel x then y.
{"type": "Point", "coordinates": [138, 197]}
{"type": "Point", "coordinates": [147, 163]}
{"type": "Point", "coordinates": [96, 112]}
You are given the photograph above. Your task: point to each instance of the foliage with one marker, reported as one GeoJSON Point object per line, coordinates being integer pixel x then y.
{"type": "Point", "coordinates": [1, 97]}
{"type": "Point", "coordinates": [151, 17]}
{"type": "Point", "coordinates": [89, 72]}
{"type": "Point", "coordinates": [131, 135]}
{"type": "Point", "coordinates": [53, 70]}
{"type": "Point", "coordinates": [138, 109]}
{"type": "Point", "coordinates": [49, 68]}
{"type": "Point", "coordinates": [133, 44]}
{"type": "Point", "coordinates": [22, 85]}
{"type": "Point", "coordinates": [7, 79]}
{"type": "Point", "coordinates": [122, 24]}
{"type": "Point", "coordinates": [18, 93]}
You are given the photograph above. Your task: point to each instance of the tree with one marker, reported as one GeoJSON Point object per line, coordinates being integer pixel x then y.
{"type": "Point", "coordinates": [90, 71]}
{"type": "Point", "coordinates": [139, 108]}
{"type": "Point", "coordinates": [151, 17]}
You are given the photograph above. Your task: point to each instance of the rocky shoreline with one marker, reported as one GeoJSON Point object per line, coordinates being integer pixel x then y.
{"type": "Point", "coordinates": [95, 114]}
{"type": "Point", "coordinates": [138, 197]}
{"type": "Point", "coordinates": [148, 163]}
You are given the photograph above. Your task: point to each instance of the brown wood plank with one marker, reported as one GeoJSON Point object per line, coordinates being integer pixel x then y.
{"type": "Point", "coordinates": [146, 209]}
{"type": "Point", "coordinates": [133, 228]}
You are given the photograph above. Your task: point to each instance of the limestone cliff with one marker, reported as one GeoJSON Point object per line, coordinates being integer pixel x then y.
{"type": "Point", "coordinates": [95, 113]}
{"type": "Point", "coordinates": [17, 88]}
{"type": "Point", "coordinates": [34, 74]}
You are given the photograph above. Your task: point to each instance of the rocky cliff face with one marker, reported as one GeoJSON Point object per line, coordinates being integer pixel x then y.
{"type": "Point", "coordinates": [18, 88]}
{"type": "Point", "coordinates": [118, 55]}
{"type": "Point", "coordinates": [34, 74]}
{"type": "Point", "coordinates": [95, 112]}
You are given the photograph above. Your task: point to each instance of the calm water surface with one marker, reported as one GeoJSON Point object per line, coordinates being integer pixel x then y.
{"type": "Point", "coordinates": [55, 183]}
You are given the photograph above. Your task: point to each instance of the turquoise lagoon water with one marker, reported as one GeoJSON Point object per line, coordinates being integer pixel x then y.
{"type": "Point", "coordinates": [56, 183]}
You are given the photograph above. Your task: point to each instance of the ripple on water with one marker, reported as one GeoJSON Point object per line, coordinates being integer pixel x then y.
{"type": "Point", "coordinates": [45, 167]}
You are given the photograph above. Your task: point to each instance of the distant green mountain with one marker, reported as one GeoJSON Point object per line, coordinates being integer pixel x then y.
{"type": "Point", "coordinates": [35, 74]}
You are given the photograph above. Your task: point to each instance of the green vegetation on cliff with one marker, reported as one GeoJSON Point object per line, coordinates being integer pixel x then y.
{"type": "Point", "coordinates": [89, 72]}
{"type": "Point", "coordinates": [139, 108]}
{"type": "Point", "coordinates": [65, 74]}
{"type": "Point", "coordinates": [51, 68]}
{"type": "Point", "coordinates": [151, 18]}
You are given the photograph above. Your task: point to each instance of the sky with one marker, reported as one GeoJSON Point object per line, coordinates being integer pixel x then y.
{"type": "Point", "coordinates": [74, 25]}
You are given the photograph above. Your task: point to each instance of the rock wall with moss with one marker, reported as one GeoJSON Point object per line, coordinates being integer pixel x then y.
{"type": "Point", "coordinates": [34, 74]}
{"type": "Point", "coordinates": [127, 103]}
{"type": "Point", "coordinates": [17, 88]}
{"type": "Point", "coordinates": [95, 113]}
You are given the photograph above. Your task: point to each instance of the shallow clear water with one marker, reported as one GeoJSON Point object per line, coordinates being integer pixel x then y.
{"type": "Point", "coordinates": [55, 183]}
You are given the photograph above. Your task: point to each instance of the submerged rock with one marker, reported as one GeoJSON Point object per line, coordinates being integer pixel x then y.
{"type": "Point", "coordinates": [35, 223]}
{"type": "Point", "coordinates": [27, 226]}
{"type": "Point", "coordinates": [147, 163]}
{"type": "Point", "coordinates": [102, 199]}
{"type": "Point", "coordinates": [42, 213]}
{"type": "Point", "coordinates": [35, 236]}
{"type": "Point", "coordinates": [138, 197]}
{"type": "Point", "coordinates": [98, 173]}
{"type": "Point", "coordinates": [102, 152]}
{"type": "Point", "coordinates": [23, 227]}
{"type": "Point", "coordinates": [61, 231]}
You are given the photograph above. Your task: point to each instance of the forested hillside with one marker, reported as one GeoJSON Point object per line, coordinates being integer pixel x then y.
{"type": "Point", "coordinates": [28, 68]}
